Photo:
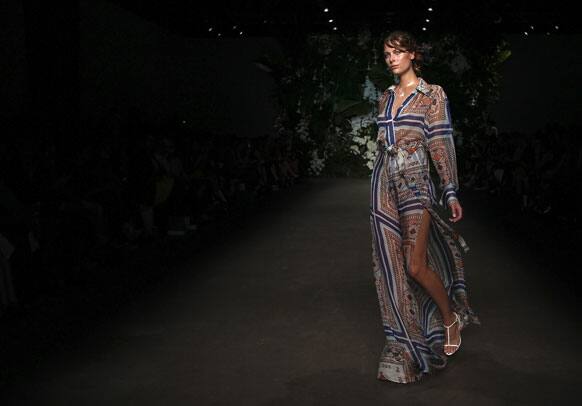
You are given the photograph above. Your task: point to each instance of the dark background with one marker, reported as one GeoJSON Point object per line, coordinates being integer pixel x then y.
{"type": "Point", "coordinates": [69, 64]}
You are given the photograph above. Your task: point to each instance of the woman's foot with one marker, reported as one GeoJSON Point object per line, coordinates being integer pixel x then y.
{"type": "Point", "coordinates": [453, 327]}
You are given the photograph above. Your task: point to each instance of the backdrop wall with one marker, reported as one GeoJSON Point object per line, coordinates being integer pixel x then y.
{"type": "Point", "coordinates": [540, 82]}
{"type": "Point", "coordinates": [137, 67]}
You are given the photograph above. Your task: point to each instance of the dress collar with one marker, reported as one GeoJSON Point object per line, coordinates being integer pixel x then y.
{"type": "Point", "coordinates": [422, 87]}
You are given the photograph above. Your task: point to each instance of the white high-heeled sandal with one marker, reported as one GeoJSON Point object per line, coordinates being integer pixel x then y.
{"type": "Point", "coordinates": [457, 319]}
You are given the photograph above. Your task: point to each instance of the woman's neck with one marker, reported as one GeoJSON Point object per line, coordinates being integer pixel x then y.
{"type": "Point", "coordinates": [408, 79]}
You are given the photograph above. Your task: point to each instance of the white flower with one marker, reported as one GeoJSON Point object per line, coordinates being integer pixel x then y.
{"type": "Point", "coordinates": [302, 128]}
{"type": "Point", "coordinates": [355, 149]}
{"type": "Point", "coordinates": [316, 164]}
{"type": "Point", "coordinates": [371, 92]}
{"type": "Point", "coordinates": [360, 122]}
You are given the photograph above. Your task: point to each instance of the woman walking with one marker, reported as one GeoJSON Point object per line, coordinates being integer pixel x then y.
{"type": "Point", "coordinates": [418, 266]}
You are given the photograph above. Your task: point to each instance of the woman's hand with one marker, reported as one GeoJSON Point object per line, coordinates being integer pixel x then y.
{"type": "Point", "coordinates": [456, 210]}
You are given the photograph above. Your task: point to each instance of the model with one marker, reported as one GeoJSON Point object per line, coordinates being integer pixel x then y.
{"type": "Point", "coordinates": [418, 266]}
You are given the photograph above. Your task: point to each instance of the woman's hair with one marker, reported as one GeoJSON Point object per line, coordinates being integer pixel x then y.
{"type": "Point", "coordinates": [405, 41]}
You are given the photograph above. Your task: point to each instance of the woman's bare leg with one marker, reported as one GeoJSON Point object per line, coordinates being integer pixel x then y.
{"type": "Point", "coordinates": [428, 279]}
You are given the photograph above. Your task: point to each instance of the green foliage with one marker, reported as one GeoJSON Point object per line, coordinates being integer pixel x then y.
{"type": "Point", "coordinates": [321, 84]}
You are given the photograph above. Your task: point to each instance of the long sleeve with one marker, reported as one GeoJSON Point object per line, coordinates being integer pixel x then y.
{"type": "Point", "coordinates": [439, 134]}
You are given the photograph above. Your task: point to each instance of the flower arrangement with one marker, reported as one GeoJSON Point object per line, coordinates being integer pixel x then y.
{"type": "Point", "coordinates": [316, 164]}
{"type": "Point", "coordinates": [364, 143]}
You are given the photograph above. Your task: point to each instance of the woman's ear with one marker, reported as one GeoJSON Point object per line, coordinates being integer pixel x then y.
{"type": "Point", "coordinates": [412, 55]}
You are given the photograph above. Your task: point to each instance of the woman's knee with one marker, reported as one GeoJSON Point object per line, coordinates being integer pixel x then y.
{"type": "Point", "coordinates": [416, 268]}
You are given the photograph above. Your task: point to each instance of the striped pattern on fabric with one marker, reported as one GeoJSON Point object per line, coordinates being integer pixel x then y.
{"type": "Point", "coordinates": [401, 193]}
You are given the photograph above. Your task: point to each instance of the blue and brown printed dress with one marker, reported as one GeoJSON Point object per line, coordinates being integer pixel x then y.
{"type": "Point", "coordinates": [401, 188]}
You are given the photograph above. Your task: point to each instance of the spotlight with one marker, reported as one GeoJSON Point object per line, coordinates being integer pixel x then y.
{"type": "Point", "coordinates": [325, 10]}
{"type": "Point", "coordinates": [330, 20]}
{"type": "Point", "coordinates": [429, 9]}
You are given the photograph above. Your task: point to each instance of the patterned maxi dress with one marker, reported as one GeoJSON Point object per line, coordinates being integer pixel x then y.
{"type": "Point", "coordinates": [401, 187]}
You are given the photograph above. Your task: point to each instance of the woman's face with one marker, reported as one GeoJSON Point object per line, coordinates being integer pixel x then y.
{"type": "Point", "coordinates": [397, 60]}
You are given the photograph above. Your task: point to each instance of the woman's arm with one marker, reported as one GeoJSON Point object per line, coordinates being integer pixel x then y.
{"type": "Point", "coordinates": [439, 133]}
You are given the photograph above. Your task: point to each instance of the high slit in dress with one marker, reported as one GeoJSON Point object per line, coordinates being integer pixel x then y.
{"type": "Point", "coordinates": [401, 188]}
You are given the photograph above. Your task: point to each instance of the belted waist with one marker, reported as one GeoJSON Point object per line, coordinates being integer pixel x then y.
{"type": "Point", "coordinates": [393, 149]}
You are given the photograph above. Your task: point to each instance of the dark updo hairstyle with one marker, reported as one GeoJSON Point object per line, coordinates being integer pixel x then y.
{"type": "Point", "coordinates": [405, 41]}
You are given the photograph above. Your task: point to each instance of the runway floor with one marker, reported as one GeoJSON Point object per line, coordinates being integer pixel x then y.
{"type": "Point", "coordinates": [283, 311]}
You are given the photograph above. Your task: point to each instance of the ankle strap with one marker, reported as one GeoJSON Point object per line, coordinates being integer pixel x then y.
{"type": "Point", "coordinates": [456, 320]}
